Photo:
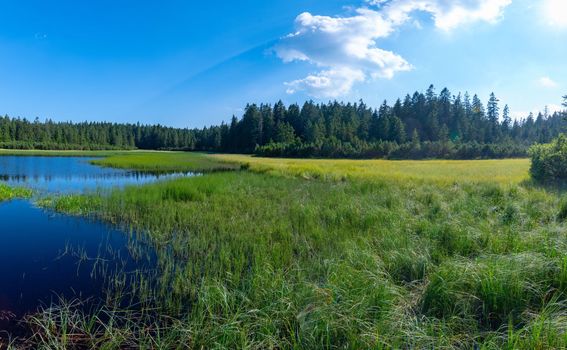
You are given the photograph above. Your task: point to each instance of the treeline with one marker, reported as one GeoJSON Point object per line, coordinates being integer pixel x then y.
{"type": "Point", "coordinates": [19, 133]}
{"type": "Point", "coordinates": [422, 125]}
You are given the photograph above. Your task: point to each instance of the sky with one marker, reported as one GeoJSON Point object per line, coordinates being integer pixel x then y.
{"type": "Point", "coordinates": [196, 63]}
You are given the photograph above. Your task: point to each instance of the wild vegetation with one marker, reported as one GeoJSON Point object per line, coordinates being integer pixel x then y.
{"type": "Point", "coordinates": [310, 254]}
{"type": "Point", "coordinates": [379, 254]}
{"type": "Point", "coordinates": [7, 193]}
{"type": "Point", "coordinates": [420, 126]}
{"type": "Point", "coordinates": [164, 162]}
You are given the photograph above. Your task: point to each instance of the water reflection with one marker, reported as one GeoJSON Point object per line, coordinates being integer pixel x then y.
{"type": "Point", "coordinates": [45, 256]}
{"type": "Point", "coordinates": [69, 174]}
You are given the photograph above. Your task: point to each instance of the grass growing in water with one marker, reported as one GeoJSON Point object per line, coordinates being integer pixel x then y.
{"type": "Point", "coordinates": [256, 261]}
{"type": "Point", "coordinates": [7, 192]}
{"type": "Point", "coordinates": [165, 162]}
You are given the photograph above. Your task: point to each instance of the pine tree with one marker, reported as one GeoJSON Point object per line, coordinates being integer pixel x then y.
{"type": "Point", "coordinates": [285, 133]}
{"type": "Point", "coordinates": [268, 124]}
{"type": "Point", "coordinates": [492, 109]}
{"type": "Point", "coordinates": [415, 138]}
{"type": "Point", "coordinates": [506, 120]}
{"type": "Point", "coordinates": [443, 133]}
{"type": "Point", "coordinates": [251, 133]}
{"type": "Point", "coordinates": [432, 119]}
{"type": "Point", "coordinates": [397, 130]}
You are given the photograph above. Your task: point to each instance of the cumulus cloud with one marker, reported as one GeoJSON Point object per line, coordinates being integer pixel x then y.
{"type": "Point", "coordinates": [346, 48]}
{"type": "Point", "coordinates": [547, 82]}
{"type": "Point", "coordinates": [328, 83]}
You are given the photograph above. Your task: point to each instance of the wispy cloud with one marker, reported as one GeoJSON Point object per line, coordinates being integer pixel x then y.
{"type": "Point", "coordinates": [346, 51]}
{"type": "Point", "coordinates": [547, 82]}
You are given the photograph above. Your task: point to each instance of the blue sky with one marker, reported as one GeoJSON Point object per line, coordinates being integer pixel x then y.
{"type": "Point", "coordinates": [192, 63]}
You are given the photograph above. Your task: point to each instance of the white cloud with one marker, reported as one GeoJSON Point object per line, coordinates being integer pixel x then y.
{"type": "Point", "coordinates": [547, 82]}
{"type": "Point", "coordinates": [328, 83]}
{"type": "Point", "coordinates": [447, 14]}
{"type": "Point", "coordinates": [346, 49]}
{"type": "Point", "coordinates": [555, 12]}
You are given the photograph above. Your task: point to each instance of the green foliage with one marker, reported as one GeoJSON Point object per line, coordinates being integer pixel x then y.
{"type": "Point", "coordinates": [549, 161]}
{"type": "Point", "coordinates": [333, 148]}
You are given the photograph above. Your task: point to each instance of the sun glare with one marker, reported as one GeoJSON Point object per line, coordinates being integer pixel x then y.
{"type": "Point", "coordinates": [555, 11]}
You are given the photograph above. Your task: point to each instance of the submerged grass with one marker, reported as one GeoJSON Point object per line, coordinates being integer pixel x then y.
{"type": "Point", "coordinates": [459, 259]}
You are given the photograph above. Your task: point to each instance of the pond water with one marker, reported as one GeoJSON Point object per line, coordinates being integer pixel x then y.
{"type": "Point", "coordinates": [69, 174]}
{"type": "Point", "coordinates": [40, 253]}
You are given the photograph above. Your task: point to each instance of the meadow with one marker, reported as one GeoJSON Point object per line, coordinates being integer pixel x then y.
{"type": "Point", "coordinates": [499, 171]}
{"type": "Point", "coordinates": [310, 254]}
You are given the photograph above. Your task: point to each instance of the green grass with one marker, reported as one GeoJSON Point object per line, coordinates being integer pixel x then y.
{"type": "Point", "coordinates": [7, 193]}
{"type": "Point", "coordinates": [400, 255]}
{"type": "Point", "coordinates": [446, 171]}
{"type": "Point", "coordinates": [165, 162]}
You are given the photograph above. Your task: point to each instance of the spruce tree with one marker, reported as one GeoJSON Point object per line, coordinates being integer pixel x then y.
{"type": "Point", "coordinates": [506, 120]}
{"type": "Point", "coordinates": [493, 114]}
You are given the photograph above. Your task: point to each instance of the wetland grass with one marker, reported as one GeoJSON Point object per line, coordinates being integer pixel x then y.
{"type": "Point", "coordinates": [499, 171]}
{"type": "Point", "coordinates": [8, 193]}
{"type": "Point", "coordinates": [441, 259]}
{"type": "Point", "coordinates": [165, 162]}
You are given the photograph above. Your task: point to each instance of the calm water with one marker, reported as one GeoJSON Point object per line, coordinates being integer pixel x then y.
{"type": "Point", "coordinates": [68, 174]}
{"type": "Point", "coordinates": [38, 250]}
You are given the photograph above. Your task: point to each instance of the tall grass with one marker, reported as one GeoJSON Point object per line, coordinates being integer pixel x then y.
{"type": "Point", "coordinates": [500, 171]}
{"type": "Point", "coordinates": [254, 261]}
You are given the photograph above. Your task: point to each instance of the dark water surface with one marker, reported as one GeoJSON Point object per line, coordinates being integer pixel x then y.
{"type": "Point", "coordinates": [40, 250]}
{"type": "Point", "coordinates": [39, 256]}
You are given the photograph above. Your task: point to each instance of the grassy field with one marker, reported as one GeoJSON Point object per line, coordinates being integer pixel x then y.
{"type": "Point", "coordinates": [500, 171]}
{"type": "Point", "coordinates": [398, 255]}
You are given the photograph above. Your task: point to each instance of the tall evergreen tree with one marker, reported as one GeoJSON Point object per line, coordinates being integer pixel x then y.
{"type": "Point", "coordinates": [506, 119]}
{"type": "Point", "coordinates": [493, 114]}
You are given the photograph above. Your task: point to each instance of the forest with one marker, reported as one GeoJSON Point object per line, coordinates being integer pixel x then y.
{"type": "Point", "coordinates": [422, 125]}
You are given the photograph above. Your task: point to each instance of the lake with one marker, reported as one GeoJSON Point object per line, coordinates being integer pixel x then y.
{"type": "Point", "coordinates": [44, 255]}
{"type": "Point", "coordinates": [69, 174]}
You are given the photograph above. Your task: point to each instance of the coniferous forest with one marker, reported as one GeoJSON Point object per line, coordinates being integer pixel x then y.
{"type": "Point", "coordinates": [422, 125]}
